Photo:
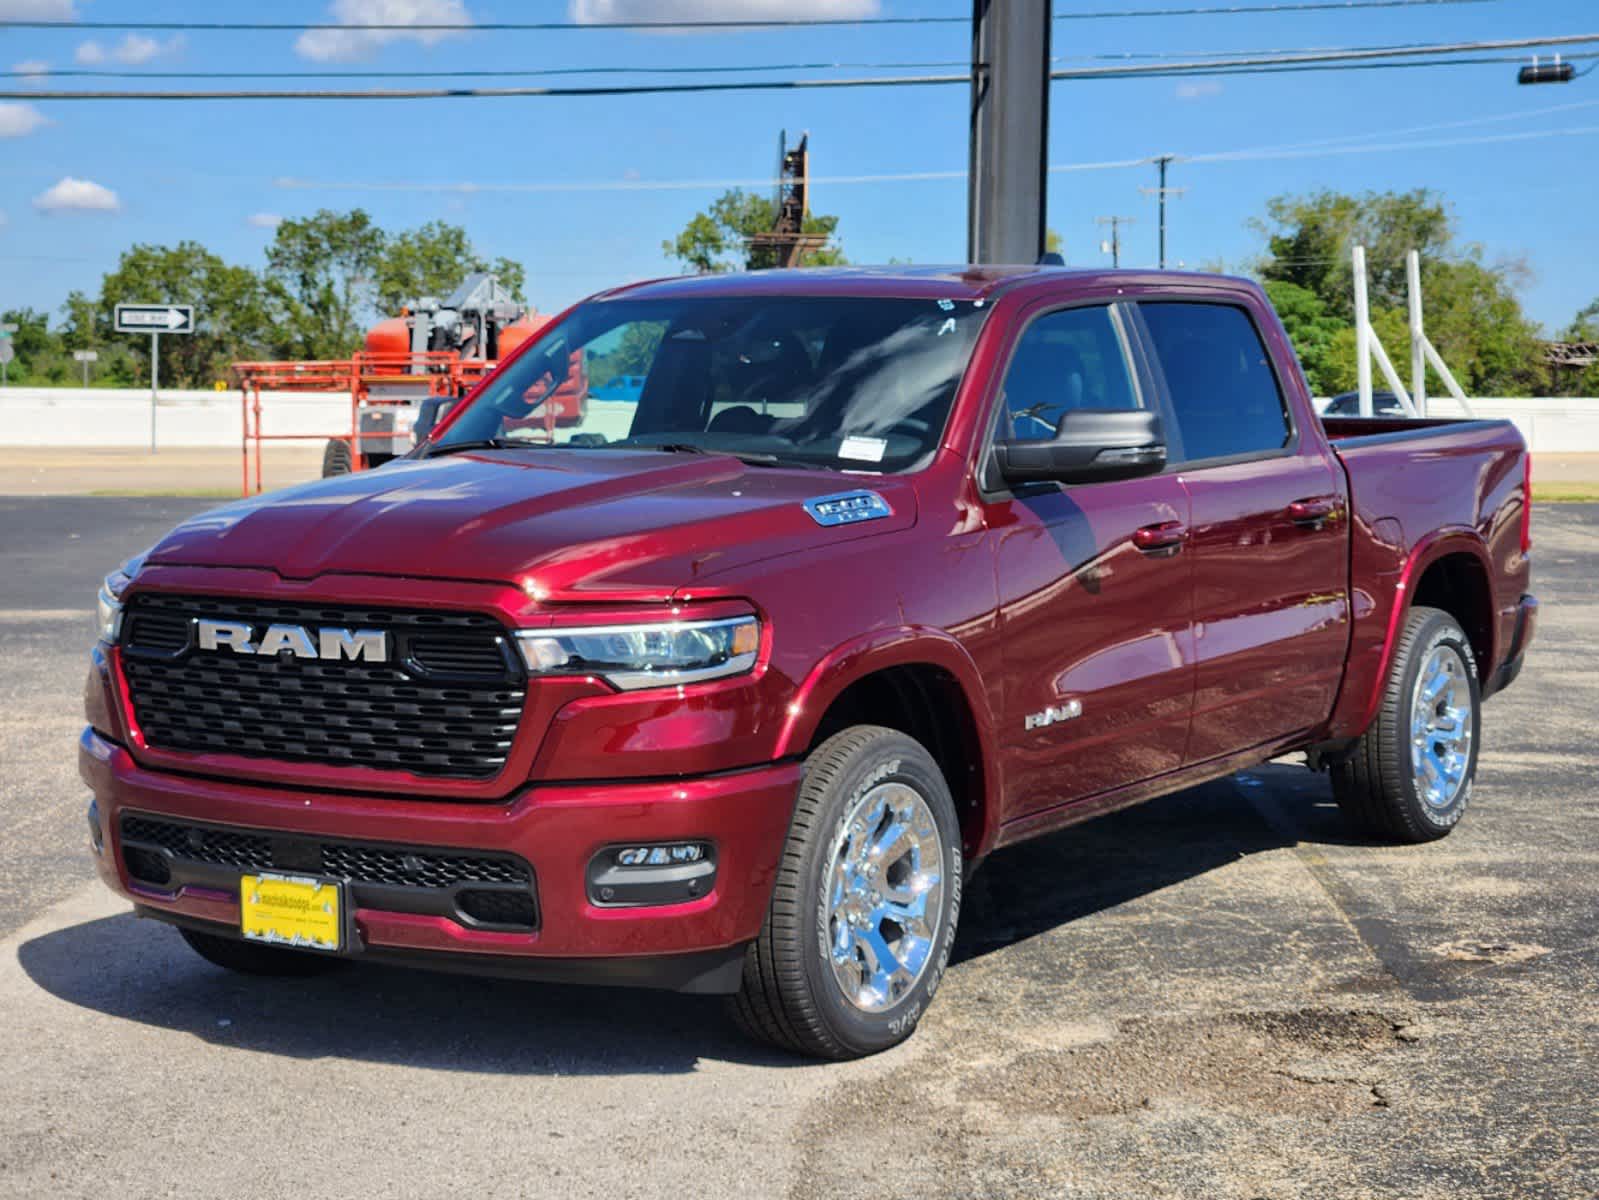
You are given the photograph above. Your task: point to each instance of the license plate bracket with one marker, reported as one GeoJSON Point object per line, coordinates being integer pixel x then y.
{"type": "Point", "coordinates": [302, 912]}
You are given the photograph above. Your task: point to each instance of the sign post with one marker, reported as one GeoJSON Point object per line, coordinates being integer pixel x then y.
{"type": "Point", "coordinates": [154, 319]}
{"type": "Point", "coordinates": [86, 357]}
{"type": "Point", "coordinates": [7, 351]}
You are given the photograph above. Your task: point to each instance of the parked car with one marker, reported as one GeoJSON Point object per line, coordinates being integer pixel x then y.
{"type": "Point", "coordinates": [883, 571]}
{"type": "Point", "coordinates": [1347, 404]}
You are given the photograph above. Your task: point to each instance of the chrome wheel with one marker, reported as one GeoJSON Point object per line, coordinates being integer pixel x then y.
{"type": "Point", "coordinates": [1441, 727]}
{"type": "Point", "coordinates": [885, 890]}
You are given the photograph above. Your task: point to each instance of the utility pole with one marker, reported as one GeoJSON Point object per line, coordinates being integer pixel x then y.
{"type": "Point", "coordinates": [1114, 246]}
{"type": "Point", "coordinates": [1161, 191]}
{"type": "Point", "coordinates": [1006, 172]}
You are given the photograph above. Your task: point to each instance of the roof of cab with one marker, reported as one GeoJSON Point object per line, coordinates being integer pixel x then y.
{"type": "Point", "coordinates": [913, 282]}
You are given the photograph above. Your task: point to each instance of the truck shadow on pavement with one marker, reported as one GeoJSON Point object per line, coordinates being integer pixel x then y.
{"type": "Point", "coordinates": [141, 971]}
{"type": "Point", "coordinates": [1041, 885]}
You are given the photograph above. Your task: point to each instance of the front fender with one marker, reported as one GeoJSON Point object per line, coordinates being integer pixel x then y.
{"type": "Point", "coordinates": [911, 645]}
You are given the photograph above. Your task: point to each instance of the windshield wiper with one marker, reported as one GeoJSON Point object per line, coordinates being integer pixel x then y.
{"type": "Point", "coordinates": [494, 443]}
{"type": "Point", "coordinates": [753, 458]}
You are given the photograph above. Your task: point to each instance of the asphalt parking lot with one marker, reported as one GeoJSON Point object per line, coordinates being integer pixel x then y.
{"type": "Point", "coordinates": [1220, 994]}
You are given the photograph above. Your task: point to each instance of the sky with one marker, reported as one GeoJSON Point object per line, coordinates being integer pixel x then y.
{"type": "Point", "coordinates": [571, 186]}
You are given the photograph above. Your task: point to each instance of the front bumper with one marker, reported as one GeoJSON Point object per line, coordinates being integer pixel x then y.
{"type": "Point", "coordinates": [555, 829]}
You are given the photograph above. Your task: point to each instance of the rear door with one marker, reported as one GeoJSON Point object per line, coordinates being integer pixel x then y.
{"type": "Point", "coordinates": [1097, 616]}
{"type": "Point", "coordinates": [1269, 535]}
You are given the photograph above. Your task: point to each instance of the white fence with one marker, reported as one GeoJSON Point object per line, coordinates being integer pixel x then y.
{"type": "Point", "coordinates": [121, 417]}
{"type": "Point", "coordinates": [1549, 423]}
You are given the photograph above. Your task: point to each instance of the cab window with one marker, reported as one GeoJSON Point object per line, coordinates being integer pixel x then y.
{"type": "Point", "coordinates": [1224, 393]}
{"type": "Point", "coordinates": [1065, 360]}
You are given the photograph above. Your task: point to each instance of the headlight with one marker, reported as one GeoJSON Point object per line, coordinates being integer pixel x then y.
{"type": "Point", "coordinates": [108, 604]}
{"type": "Point", "coordinates": [645, 656]}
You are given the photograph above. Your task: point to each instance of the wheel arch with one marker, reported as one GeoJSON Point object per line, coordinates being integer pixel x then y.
{"type": "Point", "coordinates": [1457, 581]}
{"type": "Point", "coordinates": [924, 683]}
{"type": "Point", "coordinates": [1450, 570]}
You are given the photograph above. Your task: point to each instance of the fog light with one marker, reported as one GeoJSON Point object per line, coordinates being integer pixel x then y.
{"type": "Point", "coordinates": [660, 856]}
{"type": "Point", "coordinates": [660, 873]}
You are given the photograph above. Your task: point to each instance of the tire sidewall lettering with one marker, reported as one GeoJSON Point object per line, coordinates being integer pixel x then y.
{"type": "Point", "coordinates": [896, 1023]}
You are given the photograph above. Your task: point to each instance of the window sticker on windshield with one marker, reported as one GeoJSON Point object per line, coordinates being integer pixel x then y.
{"type": "Point", "coordinates": [862, 449]}
{"type": "Point", "coordinates": [947, 327]}
{"type": "Point", "coordinates": [947, 305]}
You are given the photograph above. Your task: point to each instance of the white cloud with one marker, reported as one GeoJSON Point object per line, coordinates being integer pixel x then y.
{"type": "Point", "coordinates": [77, 195]}
{"type": "Point", "coordinates": [263, 220]}
{"type": "Point", "coordinates": [346, 45]}
{"type": "Point", "coordinates": [1198, 91]}
{"type": "Point", "coordinates": [132, 51]}
{"type": "Point", "coordinates": [37, 10]}
{"type": "Point", "coordinates": [19, 120]}
{"type": "Point", "coordinates": [593, 12]}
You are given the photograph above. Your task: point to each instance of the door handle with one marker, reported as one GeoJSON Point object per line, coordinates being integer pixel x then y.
{"type": "Point", "coordinates": [1315, 511]}
{"type": "Point", "coordinates": [1163, 539]}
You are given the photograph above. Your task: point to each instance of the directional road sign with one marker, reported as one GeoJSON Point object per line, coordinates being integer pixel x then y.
{"type": "Point", "coordinates": [155, 318]}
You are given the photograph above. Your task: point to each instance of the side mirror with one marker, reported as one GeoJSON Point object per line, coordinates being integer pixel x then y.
{"type": "Point", "coordinates": [1091, 445]}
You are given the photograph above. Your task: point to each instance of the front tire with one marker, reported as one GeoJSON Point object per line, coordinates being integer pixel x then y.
{"type": "Point", "coordinates": [867, 898]}
{"type": "Point", "coordinates": [252, 958]}
{"type": "Point", "coordinates": [1409, 777]}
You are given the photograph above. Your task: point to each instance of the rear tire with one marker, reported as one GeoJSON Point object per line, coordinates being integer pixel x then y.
{"type": "Point", "coordinates": [252, 958]}
{"type": "Point", "coordinates": [1409, 777]}
{"type": "Point", "coordinates": [336, 460]}
{"type": "Point", "coordinates": [867, 898]}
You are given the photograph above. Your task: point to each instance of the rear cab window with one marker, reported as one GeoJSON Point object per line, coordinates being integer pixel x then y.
{"type": "Point", "coordinates": [1224, 395]}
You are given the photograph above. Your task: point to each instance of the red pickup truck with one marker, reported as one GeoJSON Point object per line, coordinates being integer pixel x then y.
{"type": "Point", "coordinates": [724, 687]}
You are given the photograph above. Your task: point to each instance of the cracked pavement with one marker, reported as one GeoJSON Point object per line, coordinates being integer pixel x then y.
{"type": "Point", "coordinates": [1220, 994]}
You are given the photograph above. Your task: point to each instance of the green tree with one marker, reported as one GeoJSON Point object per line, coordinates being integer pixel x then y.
{"type": "Point", "coordinates": [233, 316]}
{"type": "Point", "coordinates": [1473, 315]}
{"type": "Point", "coordinates": [1584, 326]}
{"type": "Point", "coordinates": [1309, 239]}
{"type": "Point", "coordinates": [720, 239]}
{"type": "Point", "coordinates": [321, 272]}
{"type": "Point", "coordinates": [432, 260]}
{"type": "Point", "coordinates": [36, 346]}
{"type": "Point", "coordinates": [1312, 329]}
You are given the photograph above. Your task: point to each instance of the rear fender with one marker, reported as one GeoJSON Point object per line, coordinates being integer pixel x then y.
{"type": "Point", "coordinates": [1361, 697]}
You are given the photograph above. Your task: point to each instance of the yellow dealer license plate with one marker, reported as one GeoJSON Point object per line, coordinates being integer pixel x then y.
{"type": "Point", "coordinates": [291, 910]}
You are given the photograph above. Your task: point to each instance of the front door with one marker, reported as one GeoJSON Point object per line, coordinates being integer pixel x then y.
{"type": "Point", "coordinates": [1269, 543]}
{"type": "Point", "coordinates": [1095, 587]}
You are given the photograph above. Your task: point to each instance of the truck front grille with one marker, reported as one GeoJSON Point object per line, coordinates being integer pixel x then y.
{"type": "Point", "coordinates": [446, 704]}
{"type": "Point", "coordinates": [484, 888]}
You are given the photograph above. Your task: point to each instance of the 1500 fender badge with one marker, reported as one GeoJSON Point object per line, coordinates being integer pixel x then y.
{"type": "Point", "coordinates": [1053, 714]}
{"type": "Point", "coordinates": [846, 508]}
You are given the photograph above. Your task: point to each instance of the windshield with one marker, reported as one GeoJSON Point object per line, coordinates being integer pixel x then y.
{"type": "Point", "coordinates": [846, 383]}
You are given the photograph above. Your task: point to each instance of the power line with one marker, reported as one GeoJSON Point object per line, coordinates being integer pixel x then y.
{"type": "Point", "coordinates": [762, 23]}
{"type": "Point", "coordinates": [1250, 154]}
{"type": "Point", "coordinates": [1342, 59]}
{"type": "Point", "coordinates": [739, 68]}
{"type": "Point", "coordinates": [38, 73]}
{"type": "Point", "coordinates": [1266, 63]}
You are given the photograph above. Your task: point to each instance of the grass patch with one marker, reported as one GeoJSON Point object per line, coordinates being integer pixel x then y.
{"type": "Point", "coordinates": [1564, 493]}
{"type": "Point", "coordinates": [174, 493]}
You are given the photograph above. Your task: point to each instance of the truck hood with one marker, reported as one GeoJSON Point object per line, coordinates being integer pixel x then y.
{"type": "Point", "coordinates": [565, 524]}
